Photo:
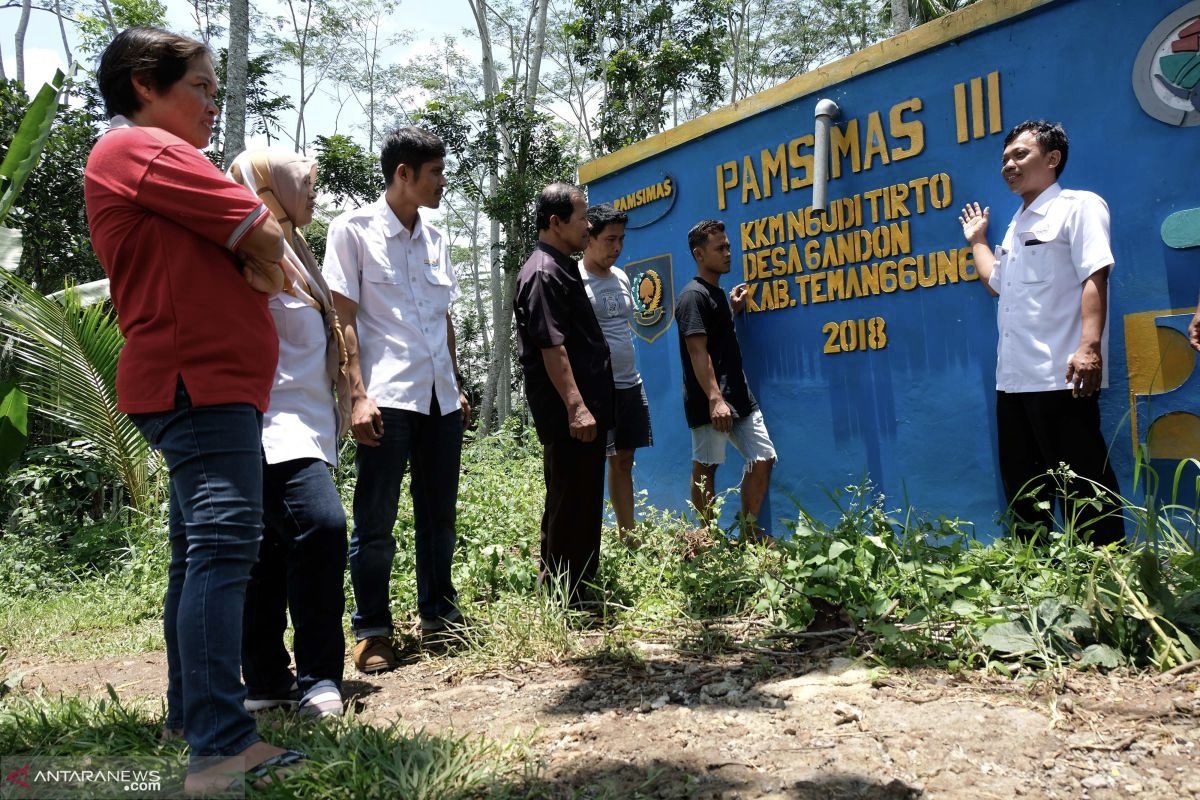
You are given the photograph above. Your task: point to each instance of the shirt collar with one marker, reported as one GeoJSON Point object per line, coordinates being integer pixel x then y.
{"type": "Point", "coordinates": [119, 121]}
{"type": "Point", "coordinates": [1043, 200]}
{"type": "Point", "coordinates": [392, 224]}
{"type": "Point", "coordinates": [563, 260]}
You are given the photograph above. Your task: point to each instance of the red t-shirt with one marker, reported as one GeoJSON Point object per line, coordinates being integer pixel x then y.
{"type": "Point", "coordinates": [164, 224]}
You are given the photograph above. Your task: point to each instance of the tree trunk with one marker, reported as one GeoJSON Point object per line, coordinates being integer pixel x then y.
{"type": "Point", "coordinates": [62, 30]}
{"type": "Point", "coordinates": [479, 312]}
{"type": "Point", "coordinates": [19, 41]}
{"type": "Point", "coordinates": [235, 79]}
{"type": "Point", "coordinates": [900, 19]}
{"type": "Point", "coordinates": [535, 62]}
{"type": "Point", "coordinates": [495, 288]}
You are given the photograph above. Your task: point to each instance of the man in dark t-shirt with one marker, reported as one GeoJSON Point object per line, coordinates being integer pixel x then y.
{"type": "Point", "coordinates": [569, 385]}
{"type": "Point", "coordinates": [717, 401]}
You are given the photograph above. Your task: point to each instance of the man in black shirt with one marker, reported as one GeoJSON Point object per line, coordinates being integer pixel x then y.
{"type": "Point", "coordinates": [569, 385]}
{"type": "Point", "coordinates": [719, 405]}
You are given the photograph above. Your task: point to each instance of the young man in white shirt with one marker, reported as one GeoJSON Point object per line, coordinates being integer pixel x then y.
{"type": "Point", "coordinates": [1050, 273]}
{"type": "Point", "coordinates": [608, 290]}
{"type": "Point", "coordinates": [393, 285]}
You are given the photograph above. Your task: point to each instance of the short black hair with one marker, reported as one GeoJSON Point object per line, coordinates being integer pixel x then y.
{"type": "Point", "coordinates": [698, 235]}
{"type": "Point", "coordinates": [556, 200]}
{"type": "Point", "coordinates": [409, 145]}
{"type": "Point", "coordinates": [603, 215]}
{"type": "Point", "coordinates": [1050, 136]}
{"type": "Point", "coordinates": [160, 57]}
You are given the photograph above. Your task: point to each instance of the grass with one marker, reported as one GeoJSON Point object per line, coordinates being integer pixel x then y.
{"type": "Point", "coordinates": [347, 758]}
{"type": "Point", "coordinates": [903, 589]}
{"type": "Point", "coordinates": [916, 589]}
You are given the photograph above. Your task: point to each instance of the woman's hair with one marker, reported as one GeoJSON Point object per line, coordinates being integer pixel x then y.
{"type": "Point", "coordinates": [160, 57]}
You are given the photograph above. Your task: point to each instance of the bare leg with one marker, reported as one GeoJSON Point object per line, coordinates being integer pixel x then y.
{"type": "Point", "coordinates": [703, 476]}
{"type": "Point", "coordinates": [620, 490]}
{"type": "Point", "coordinates": [754, 491]}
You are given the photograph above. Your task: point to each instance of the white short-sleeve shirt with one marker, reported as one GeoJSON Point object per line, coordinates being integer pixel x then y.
{"type": "Point", "coordinates": [301, 421]}
{"type": "Point", "coordinates": [404, 284]}
{"type": "Point", "coordinates": [1051, 247]}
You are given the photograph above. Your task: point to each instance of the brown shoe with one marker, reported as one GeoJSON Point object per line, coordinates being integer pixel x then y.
{"type": "Point", "coordinates": [375, 654]}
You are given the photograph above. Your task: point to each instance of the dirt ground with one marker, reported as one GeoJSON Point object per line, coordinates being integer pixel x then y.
{"type": "Point", "coordinates": [680, 726]}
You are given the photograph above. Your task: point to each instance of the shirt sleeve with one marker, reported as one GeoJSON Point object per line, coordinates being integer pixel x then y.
{"type": "Point", "coordinates": [546, 313]}
{"type": "Point", "coordinates": [996, 279]}
{"type": "Point", "coordinates": [342, 268]}
{"type": "Point", "coordinates": [689, 313]}
{"type": "Point", "coordinates": [185, 187]}
{"type": "Point", "coordinates": [445, 257]}
{"type": "Point", "coordinates": [1091, 250]}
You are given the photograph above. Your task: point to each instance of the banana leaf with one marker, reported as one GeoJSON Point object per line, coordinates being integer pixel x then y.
{"type": "Point", "coordinates": [14, 423]}
{"type": "Point", "coordinates": [25, 149]}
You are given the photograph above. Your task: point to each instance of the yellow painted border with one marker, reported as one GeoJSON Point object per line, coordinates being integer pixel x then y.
{"type": "Point", "coordinates": [932, 34]}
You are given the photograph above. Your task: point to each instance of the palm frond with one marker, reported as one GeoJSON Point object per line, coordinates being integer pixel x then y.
{"type": "Point", "coordinates": [65, 355]}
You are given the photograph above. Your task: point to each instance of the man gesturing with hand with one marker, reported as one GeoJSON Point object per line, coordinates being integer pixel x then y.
{"type": "Point", "coordinates": [569, 385]}
{"type": "Point", "coordinates": [1050, 273]}
{"type": "Point", "coordinates": [717, 400]}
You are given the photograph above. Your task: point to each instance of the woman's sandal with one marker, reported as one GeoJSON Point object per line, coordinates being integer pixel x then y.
{"type": "Point", "coordinates": [265, 773]}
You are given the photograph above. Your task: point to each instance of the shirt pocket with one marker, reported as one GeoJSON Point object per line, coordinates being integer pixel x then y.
{"type": "Point", "coordinates": [1043, 248]}
{"type": "Point", "coordinates": [436, 272]}
{"type": "Point", "coordinates": [296, 322]}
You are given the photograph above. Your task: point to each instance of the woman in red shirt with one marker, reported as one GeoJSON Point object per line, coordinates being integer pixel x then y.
{"type": "Point", "coordinates": [191, 258]}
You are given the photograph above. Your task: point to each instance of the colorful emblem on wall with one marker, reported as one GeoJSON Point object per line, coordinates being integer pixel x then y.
{"type": "Point", "coordinates": [653, 288]}
{"type": "Point", "coordinates": [1166, 74]}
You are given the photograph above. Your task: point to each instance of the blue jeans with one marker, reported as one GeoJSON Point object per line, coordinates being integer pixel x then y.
{"type": "Point", "coordinates": [300, 565]}
{"type": "Point", "coordinates": [214, 454]}
{"type": "Point", "coordinates": [433, 443]}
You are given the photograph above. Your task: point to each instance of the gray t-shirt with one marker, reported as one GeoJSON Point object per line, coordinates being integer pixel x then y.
{"type": "Point", "coordinates": [613, 304]}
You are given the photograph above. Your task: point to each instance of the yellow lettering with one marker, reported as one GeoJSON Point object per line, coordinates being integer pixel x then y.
{"type": "Point", "coordinates": [801, 161]}
{"type": "Point", "coordinates": [876, 144]}
{"type": "Point", "coordinates": [727, 178]}
{"type": "Point", "coordinates": [844, 143]}
{"type": "Point", "coordinates": [912, 129]}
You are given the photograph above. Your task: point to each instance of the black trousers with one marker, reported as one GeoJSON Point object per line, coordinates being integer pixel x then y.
{"type": "Point", "coordinates": [1037, 431]}
{"type": "Point", "coordinates": [574, 473]}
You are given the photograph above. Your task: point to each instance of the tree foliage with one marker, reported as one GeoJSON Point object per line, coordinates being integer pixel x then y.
{"type": "Point", "coordinates": [646, 54]}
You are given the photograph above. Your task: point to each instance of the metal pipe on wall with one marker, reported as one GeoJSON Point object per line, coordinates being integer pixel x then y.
{"type": "Point", "coordinates": [825, 113]}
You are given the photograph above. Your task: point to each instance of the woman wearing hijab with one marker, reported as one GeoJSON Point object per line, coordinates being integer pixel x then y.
{"type": "Point", "coordinates": [303, 553]}
{"type": "Point", "coordinates": [191, 259]}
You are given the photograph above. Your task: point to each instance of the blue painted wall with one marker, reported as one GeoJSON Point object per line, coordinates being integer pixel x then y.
{"type": "Point", "coordinates": [918, 416]}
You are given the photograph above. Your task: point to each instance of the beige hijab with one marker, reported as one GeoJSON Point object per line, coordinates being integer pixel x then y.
{"type": "Point", "coordinates": [281, 181]}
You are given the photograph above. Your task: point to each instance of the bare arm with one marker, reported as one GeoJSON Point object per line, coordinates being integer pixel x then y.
{"type": "Point", "coordinates": [974, 224]}
{"type": "Point", "coordinates": [558, 367]}
{"type": "Point", "coordinates": [718, 410]}
{"type": "Point", "coordinates": [1085, 366]}
{"type": "Point", "coordinates": [463, 403]}
{"type": "Point", "coordinates": [366, 423]}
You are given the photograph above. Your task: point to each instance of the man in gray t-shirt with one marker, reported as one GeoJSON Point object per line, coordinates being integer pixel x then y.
{"type": "Point", "coordinates": [608, 290]}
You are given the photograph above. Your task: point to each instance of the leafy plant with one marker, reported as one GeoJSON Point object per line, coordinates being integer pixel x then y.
{"type": "Point", "coordinates": [66, 355]}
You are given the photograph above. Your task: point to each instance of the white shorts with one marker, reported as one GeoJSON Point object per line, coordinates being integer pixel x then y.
{"type": "Point", "coordinates": [749, 436]}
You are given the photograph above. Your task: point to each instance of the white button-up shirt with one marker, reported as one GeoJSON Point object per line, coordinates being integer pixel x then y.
{"type": "Point", "coordinates": [301, 421]}
{"type": "Point", "coordinates": [404, 284]}
{"type": "Point", "coordinates": [1049, 250]}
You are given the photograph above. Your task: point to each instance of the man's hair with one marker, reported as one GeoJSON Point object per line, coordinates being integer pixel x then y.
{"type": "Point", "coordinates": [603, 215]}
{"type": "Point", "coordinates": [556, 200]}
{"type": "Point", "coordinates": [159, 57]}
{"type": "Point", "coordinates": [698, 235]}
{"type": "Point", "coordinates": [1050, 136]}
{"type": "Point", "coordinates": [408, 145]}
